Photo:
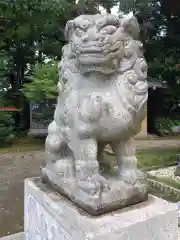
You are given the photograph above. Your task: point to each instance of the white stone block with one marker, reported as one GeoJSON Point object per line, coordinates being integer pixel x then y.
{"type": "Point", "coordinates": [17, 236]}
{"type": "Point", "coordinates": [178, 213]}
{"type": "Point", "coordinates": [50, 216]}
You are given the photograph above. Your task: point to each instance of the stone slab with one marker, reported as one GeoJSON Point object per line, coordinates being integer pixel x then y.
{"type": "Point", "coordinates": [119, 195]}
{"type": "Point", "coordinates": [48, 215]}
{"type": "Point", "coordinates": [17, 236]}
{"type": "Point", "coordinates": [178, 212]}
{"type": "Point", "coordinates": [21, 236]}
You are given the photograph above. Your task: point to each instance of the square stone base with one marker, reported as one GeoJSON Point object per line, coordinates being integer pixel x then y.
{"type": "Point", "coordinates": [17, 236]}
{"type": "Point", "coordinates": [50, 216]}
{"type": "Point", "coordinates": [178, 213]}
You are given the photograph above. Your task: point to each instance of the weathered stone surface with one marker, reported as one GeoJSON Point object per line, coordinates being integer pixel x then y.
{"type": "Point", "coordinates": [102, 100]}
{"type": "Point", "coordinates": [17, 236]}
{"type": "Point", "coordinates": [178, 213]}
{"type": "Point", "coordinates": [50, 216]}
{"type": "Point", "coordinates": [118, 196]}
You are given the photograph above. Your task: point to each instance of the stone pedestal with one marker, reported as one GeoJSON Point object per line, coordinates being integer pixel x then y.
{"type": "Point", "coordinates": [17, 236]}
{"type": "Point", "coordinates": [50, 216]}
{"type": "Point", "coordinates": [178, 213]}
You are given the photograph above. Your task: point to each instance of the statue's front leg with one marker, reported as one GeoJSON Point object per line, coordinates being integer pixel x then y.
{"type": "Point", "coordinates": [127, 163]}
{"type": "Point", "coordinates": [87, 167]}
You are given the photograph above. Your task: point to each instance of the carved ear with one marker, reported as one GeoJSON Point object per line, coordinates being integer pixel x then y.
{"type": "Point", "coordinates": [69, 29]}
{"type": "Point", "coordinates": [131, 26]}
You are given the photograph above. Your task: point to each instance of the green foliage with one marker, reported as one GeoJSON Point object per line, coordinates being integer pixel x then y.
{"type": "Point", "coordinates": [42, 90]}
{"type": "Point", "coordinates": [126, 6]}
{"type": "Point", "coordinates": [43, 85]}
{"type": "Point", "coordinates": [161, 37]}
{"type": "Point", "coordinates": [43, 114]}
{"type": "Point", "coordinates": [31, 31]}
{"type": "Point", "coordinates": [164, 126]}
{"type": "Point", "coordinates": [5, 66]}
{"type": "Point", "coordinates": [6, 127]}
{"type": "Point", "coordinates": [6, 121]}
{"type": "Point", "coordinates": [108, 4]}
{"type": "Point", "coordinates": [92, 6]}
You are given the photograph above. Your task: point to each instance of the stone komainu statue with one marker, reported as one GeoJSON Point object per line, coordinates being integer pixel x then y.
{"type": "Point", "coordinates": [102, 100]}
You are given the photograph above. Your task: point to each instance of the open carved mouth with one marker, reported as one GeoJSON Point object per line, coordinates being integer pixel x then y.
{"type": "Point", "coordinates": [105, 50]}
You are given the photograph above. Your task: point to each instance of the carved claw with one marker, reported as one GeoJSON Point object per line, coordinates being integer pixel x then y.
{"type": "Point", "coordinates": [95, 185]}
{"type": "Point", "coordinates": [133, 177]}
{"type": "Point", "coordinates": [101, 181]}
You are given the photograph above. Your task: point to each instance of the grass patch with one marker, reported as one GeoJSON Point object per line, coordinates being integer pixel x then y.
{"type": "Point", "coordinates": [157, 159]}
{"type": "Point", "coordinates": [148, 160]}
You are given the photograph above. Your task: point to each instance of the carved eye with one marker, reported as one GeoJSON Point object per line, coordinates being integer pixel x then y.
{"type": "Point", "coordinates": [79, 32]}
{"type": "Point", "coordinates": [85, 25]}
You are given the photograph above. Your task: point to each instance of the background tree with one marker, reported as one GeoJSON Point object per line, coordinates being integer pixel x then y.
{"type": "Point", "coordinates": [92, 6]}
{"type": "Point", "coordinates": [31, 31]}
{"type": "Point", "coordinates": [42, 90]}
{"type": "Point", "coordinates": [6, 120]}
{"type": "Point", "coordinates": [44, 79]}
{"type": "Point", "coordinates": [159, 21]}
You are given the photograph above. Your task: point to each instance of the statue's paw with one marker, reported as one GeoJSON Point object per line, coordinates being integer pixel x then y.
{"type": "Point", "coordinates": [94, 185]}
{"type": "Point", "coordinates": [133, 177]}
{"type": "Point", "coordinates": [100, 182]}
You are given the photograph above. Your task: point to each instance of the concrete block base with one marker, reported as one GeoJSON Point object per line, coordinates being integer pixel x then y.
{"type": "Point", "coordinates": [17, 236]}
{"type": "Point", "coordinates": [50, 216]}
{"type": "Point", "coordinates": [178, 213]}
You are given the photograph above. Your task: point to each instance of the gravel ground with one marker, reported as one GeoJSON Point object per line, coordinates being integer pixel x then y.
{"type": "Point", "coordinates": [155, 144]}
{"type": "Point", "coordinates": [14, 168]}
